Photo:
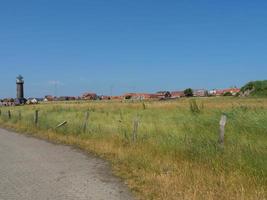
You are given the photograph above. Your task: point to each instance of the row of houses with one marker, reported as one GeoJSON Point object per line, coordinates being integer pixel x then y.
{"type": "Point", "coordinates": [180, 94]}
{"type": "Point", "coordinates": [9, 102]}
{"type": "Point", "coordinates": [145, 96]}
{"type": "Point", "coordinates": [161, 95]}
{"type": "Point", "coordinates": [229, 91]}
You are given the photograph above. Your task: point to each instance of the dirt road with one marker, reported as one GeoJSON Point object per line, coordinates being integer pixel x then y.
{"type": "Point", "coordinates": [33, 169]}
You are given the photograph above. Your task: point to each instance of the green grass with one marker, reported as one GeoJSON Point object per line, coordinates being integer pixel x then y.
{"type": "Point", "coordinates": [176, 154]}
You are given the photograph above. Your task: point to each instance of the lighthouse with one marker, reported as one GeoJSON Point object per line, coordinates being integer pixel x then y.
{"type": "Point", "coordinates": [20, 90]}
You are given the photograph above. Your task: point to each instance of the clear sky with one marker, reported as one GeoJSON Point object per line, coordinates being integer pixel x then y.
{"type": "Point", "coordinates": [116, 46]}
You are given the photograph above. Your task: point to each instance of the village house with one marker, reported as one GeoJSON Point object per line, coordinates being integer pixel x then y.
{"type": "Point", "coordinates": [212, 92]}
{"type": "Point", "coordinates": [233, 91]}
{"type": "Point", "coordinates": [49, 98]}
{"type": "Point", "coordinates": [163, 94]}
{"type": "Point", "coordinates": [149, 96]}
{"type": "Point", "coordinates": [200, 93]}
{"type": "Point", "coordinates": [65, 98]}
{"type": "Point", "coordinates": [116, 97]}
{"type": "Point", "coordinates": [8, 102]}
{"type": "Point", "coordinates": [32, 101]}
{"type": "Point", "coordinates": [103, 97]}
{"type": "Point", "coordinates": [136, 96]}
{"type": "Point", "coordinates": [219, 92]}
{"type": "Point", "coordinates": [62, 98]}
{"type": "Point", "coordinates": [140, 96]}
{"type": "Point", "coordinates": [177, 94]}
{"type": "Point", "coordinates": [89, 96]}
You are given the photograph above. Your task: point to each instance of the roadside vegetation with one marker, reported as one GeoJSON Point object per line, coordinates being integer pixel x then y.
{"type": "Point", "coordinates": [174, 153]}
{"type": "Point", "coordinates": [255, 88]}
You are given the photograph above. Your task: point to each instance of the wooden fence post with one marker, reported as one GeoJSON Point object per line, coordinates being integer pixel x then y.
{"type": "Point", "coordinates": [19, 115]}
{"type": "Point", "coordinates": [9, 114]}
{"type": "Point", "coordinates": [222, 131]}
{"type": "Point", "coordinates": [85, 124]}
{"type": "Point", "coordinates": [36, 116]}
{"type": "Point", "coordinates": [135, 129]}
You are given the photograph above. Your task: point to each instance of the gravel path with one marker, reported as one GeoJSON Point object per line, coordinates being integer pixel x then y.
{"type": "Point", "coordinates": [33, 169]}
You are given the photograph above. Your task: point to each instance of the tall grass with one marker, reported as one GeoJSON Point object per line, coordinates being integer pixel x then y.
{"type": "Point", "coordinates": [176, 155]}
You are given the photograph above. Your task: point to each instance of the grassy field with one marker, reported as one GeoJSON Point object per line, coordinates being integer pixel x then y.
{"type": "Point", "coordinates": [176, 154]}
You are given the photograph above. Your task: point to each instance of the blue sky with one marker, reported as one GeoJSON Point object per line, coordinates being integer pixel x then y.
{"type": "Point", "coordinates": [116, 46]}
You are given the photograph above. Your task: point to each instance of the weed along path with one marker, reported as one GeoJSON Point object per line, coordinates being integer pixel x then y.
{"type": "Point", "coordinates": [33, 169]}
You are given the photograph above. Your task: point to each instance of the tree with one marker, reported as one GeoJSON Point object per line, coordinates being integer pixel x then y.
{"type": "Point", "coordinates": [188, 92]}
{"type": "Point", "coordinates": [227, 94]}
{"type": "Point", "coordinates": [168, 94]}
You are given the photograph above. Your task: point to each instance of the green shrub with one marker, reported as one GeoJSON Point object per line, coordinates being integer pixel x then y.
{"type": "Point", "coordinates": [256, 88]}
{"type": "Point", "coordinates": [188, 92]}
{"type": "Point", "coordinates": [227, 94]}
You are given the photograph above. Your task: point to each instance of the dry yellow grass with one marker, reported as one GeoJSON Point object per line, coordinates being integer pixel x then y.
{"type": "Point", "coordinates": [157, 168]}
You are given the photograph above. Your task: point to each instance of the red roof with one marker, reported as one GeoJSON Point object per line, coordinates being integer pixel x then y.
{"type": "Point", "coordinates": [231, 90]}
